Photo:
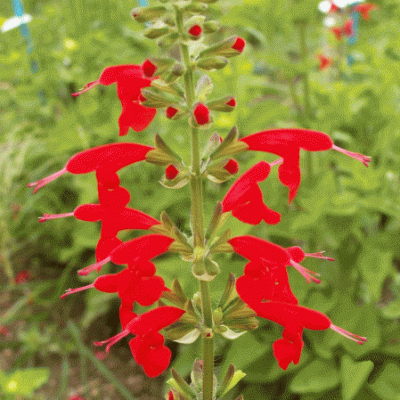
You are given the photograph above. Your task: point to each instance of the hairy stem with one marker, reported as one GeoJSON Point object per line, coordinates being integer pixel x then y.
{"type": "Point", "coordinates": [196, 192]}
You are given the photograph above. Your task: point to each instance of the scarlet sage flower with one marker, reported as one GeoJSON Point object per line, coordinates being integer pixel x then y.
{"type": "Point", "coordinates": [287, 144]}
{"type": "Point", "coordinates": [106, 160]}
{"type": "Point", "coordinates": [364, 9]}
{"type": "Point", "coordinates": [129, 79]}
{"type": "Point", "coordinates": [245, 198]}
{"type": "Point", "coordinates": [201, 114]}
{"type": "Point", "coordinates": [136, 251]}
{"type": "Point", "coordinates": [132, 284]}
{"type": "Point", "coordinates": [294, 319]}
{"type": "Point", "coordinates": [148, 346]}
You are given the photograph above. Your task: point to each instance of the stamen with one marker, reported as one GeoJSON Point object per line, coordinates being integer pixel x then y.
{"type": "Point", "coordinates": [112, 340]}
{"type": "Point", "coordinates": [55, 216]}
{"type": "Point", "coordinates": [360, 157]}
{"type": "Point", "coordinates": [308, 274]}
{"type": "Point", "coordinates": [87, 87]}
{"type": "Point", "coordinates": [76, 290]}
{"type": "Point", "coordinates": [348, 335]}
{"type": "Point", "coordinates": [276, 162]}
{"type": "Point", "coordinates": [48, 179]}
{"type": "Point", "coordinates": [90, 268]}
{"type": "Point", "coordinates": [319, 255]}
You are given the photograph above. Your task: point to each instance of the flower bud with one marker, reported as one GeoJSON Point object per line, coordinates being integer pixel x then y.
{"type": "Point", "coordinates": [195, 7]}
{"type": "Point", "coordinates": [155, 33]}
{"type": "Point", "coordinates": [226, 104]}
{"type": "Point", "coordinates": [148, 68]}
{"type": "Point", "coordinates": [211, 26]}
{"type": "Point", "coordinates": [229, 47]}
{"type": "Point", "coordinates": [201, 114]}
{"type": "Point", "coordinates": [171, 172]}
{"type": "Point", "coordinates": [232, 166]}
{"type": "Point", "coordinates": [168, 40]}
{"type": "Point", "coordinates": [151, 65]}
{"type": "Point", "coordinates": [145, 14]}
{"type": "Point", "coordinates": [215, 62]}
{"type": "Point", "coordinates": [195, 32]}
{"type": "Point", "coordinates": [177, 71]}
{"type": "Point", "coordinates": [171, 112]}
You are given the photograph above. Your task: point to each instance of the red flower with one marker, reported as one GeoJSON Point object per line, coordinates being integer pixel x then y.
{"type": "Point", "coordinates": [333, 8]}
{"type": "Point", "coordinates": [135, 283]}
{"type": "Point", "coordinates": [106, 160]}
{"type": "Point", "coordinates": [136, 251]}
{"type": "Point", "coordinates": [245, 198]}
{"type": "Point", "coordinates": [130, 79]}
{"type": "Point", "coordinates": [201, 114]}
{"type": "Point", "coordinates": [337, 32]}
{"type": "Point", "coordinates": [231, 102]}
{"type": "Point", "coordinates": [364, 9]}
{"type": "Point", "coordinates": [294, 319]}
{"type": "Point", "coordinates": [171, 172]}
{"type": "Point", "coordinates": [287, 144]}
{"type": "Point", "coordinates": [324, 62]}
{"type": "Point", "coordinates": [148, 346]}
{"type": "Point", "coordinates": [113, 214]}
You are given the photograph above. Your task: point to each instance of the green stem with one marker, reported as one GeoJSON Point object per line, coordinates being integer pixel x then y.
{"type": "Point", "coordinates": [196, 192]}
{"type": "Point", "coordinates": [306, 96]}
{"type": "Point", "coordinates": [306, 79]}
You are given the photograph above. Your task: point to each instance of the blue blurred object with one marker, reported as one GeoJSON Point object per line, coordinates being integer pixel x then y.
{"type": "Point", "coordinates": [355, 17]}
{"type": "Point", "coordinates": [143, 3]}
{"type": "Point", "coordinates": [19, 12]}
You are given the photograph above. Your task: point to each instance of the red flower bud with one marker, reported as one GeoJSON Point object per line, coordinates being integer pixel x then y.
{"type": "Point", "coordinates": [324, 62]}
{"type": "Point", "coordinates": [201, 114]}
{"type": "Point", "coordinates": [171, 172]}
{"type": "Point", "coordinates": [231, 102]}
{"type": "Point", "coordinates": [170, 112]}
{"type": "Point", "coordinates": [149, 68]}
{"type": "Point", "coordinates": [239, 44]}
{"type": "Point", "coordinates": [232, 166]}
{"type": "Point", "coordinates": [195, 30]}
{"type": "Point", "coordinates": [364, 9]}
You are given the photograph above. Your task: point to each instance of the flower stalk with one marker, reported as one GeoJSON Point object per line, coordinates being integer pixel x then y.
{"type": "Point", "coordinates": [196, 193]}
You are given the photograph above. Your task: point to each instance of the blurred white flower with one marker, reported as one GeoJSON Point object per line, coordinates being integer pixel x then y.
{"type": "Point", "coordinates": [15, 22]}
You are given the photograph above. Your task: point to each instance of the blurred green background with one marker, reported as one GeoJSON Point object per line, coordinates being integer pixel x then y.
{"type": "Point", "coordinates": [351, 212]}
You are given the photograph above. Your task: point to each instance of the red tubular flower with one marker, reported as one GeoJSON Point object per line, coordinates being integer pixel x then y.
{"type": "Point", "coordinates": [138, 251]}
{"type": "Point", "coordinates": [239, 44]}
{"type": "Point", "coordinates": [231, 102]}
{"type": "Point", "coordinates": [149, 352]}
{"type": "Point", "coordinates": [131, 284]}
{"type": "Point", "coordinates": [324, 62]}
{"type": "Point", "coordinates": [201, 114]}
{"type": "Point", "coordinates": [287, 144]}
{"type": "Point", "coordinates": [294, 319]}
{"type": "Point", "coordinates": [364, 9]}
{"type": "Point", "coordinates": [106, 160]}
{"type": "Point", "coordinates": [333, 8]}
{"type": "Point", "coordinates": [148, 346]}
{"type": "Point", "coordinates": [130, 79]}
{"type": "Point", "coordinates": [245, 198]}
{"type": "Point", "coordinates": [347, 28]}
{"type": "Point", "coordinates": [171, 172]}
{"type": "Point", "coordinates": [264, 281]}
{"type": "Point", "coordinates": [232, 166]}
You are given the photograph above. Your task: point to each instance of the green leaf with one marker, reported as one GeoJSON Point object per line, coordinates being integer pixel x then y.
{"type": "Point", "coordinates": [353, 376]}
{"type": "Point", "coordinates": [387, 386]}
{"type": "Point", "coordinates": [316, 377]}
{"type": "Point", "coordinates": [24, 382]}
{"type": "Point", "coordinates": [375, 266]}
